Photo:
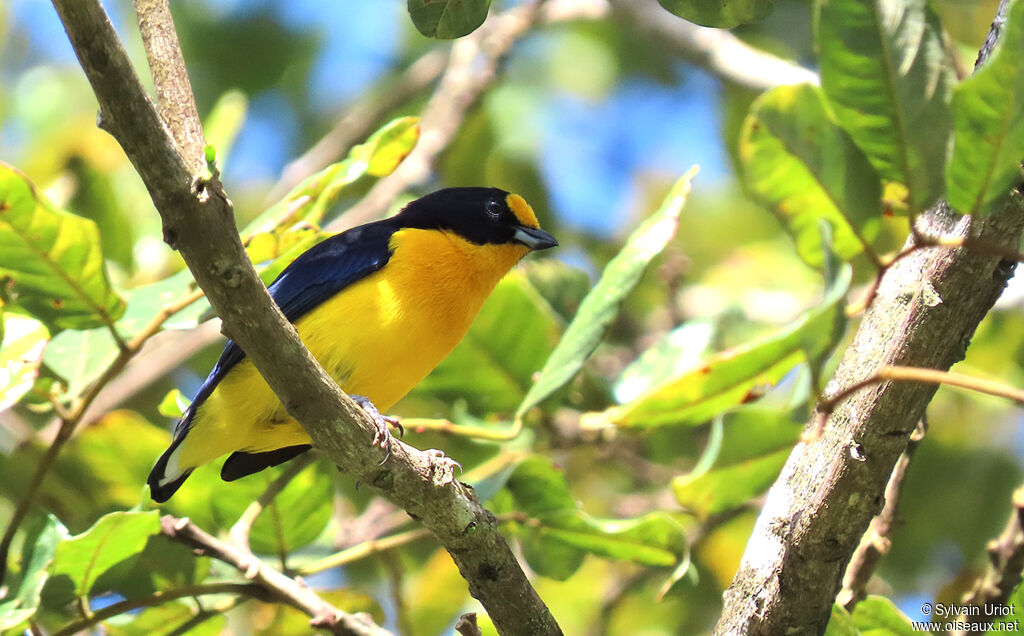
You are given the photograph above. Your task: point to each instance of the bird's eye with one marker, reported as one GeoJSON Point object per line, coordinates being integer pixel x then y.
{"type": "Point", "coordinates": [493, 208]}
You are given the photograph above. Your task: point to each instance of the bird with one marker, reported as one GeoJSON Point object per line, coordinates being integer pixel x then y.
{"type": "Point", "coordinates": [379, 306]}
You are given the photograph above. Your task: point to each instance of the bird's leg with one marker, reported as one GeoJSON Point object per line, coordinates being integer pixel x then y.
{"type": "Point", "coordinates": [381, 436]}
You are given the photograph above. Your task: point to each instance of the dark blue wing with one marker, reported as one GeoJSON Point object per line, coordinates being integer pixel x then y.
{"type": "Point", "coordinates": [317, 274]}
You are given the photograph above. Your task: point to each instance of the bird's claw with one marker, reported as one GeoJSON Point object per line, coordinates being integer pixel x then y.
{"type": "Point", "coordinates": [381, 434]}
{"type": "Point", "coordinates": [438, 454]}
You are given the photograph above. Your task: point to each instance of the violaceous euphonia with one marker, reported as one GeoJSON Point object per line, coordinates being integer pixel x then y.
{"type": "Point", "coordinates": [379, 306]}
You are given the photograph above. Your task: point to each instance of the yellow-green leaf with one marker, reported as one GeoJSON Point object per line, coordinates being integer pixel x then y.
{"type": "Point", "coordinates": [601, 305]}
{"type": "Point", "coordinates": [988, 123]}
{"type": "Point", "coordinates": [53, 259]}
{"type": "Point", "coordinates": [23, 340]}
{"type": "Point", "coordinates": [885, 72]}
{"type": "Point", "coordinates": [799, 162]}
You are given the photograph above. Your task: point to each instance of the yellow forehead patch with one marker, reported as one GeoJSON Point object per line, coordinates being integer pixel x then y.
{"type": "Point", "coordinates": [522, 210]}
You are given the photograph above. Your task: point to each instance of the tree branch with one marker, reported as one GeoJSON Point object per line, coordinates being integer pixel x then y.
{"type": "Point", "coordinates": [875, 543]}
{"type": "Point", "coordinates": [70, 420]}
{"type": "Point", "coordinates": [1006, 560]}
{"type": "Point", "coordinates": [717, 51]}
{"type": "Point", "coordinates": [198, 221]}
{"type": "Point", "coordinates": [324, 615]}
{"type": "Point", "coordinates": [173, 89]}
{"type": "Point", "coordinates": [161, 597]}
{"type": "Point", "coordinates": [925, 312]}
{"type": "Point", "coordinates": [827, 494]}
{"type": "Point", "coordinates": [472, 67]}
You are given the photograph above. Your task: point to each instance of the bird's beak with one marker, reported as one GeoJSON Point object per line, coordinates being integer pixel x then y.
{"type": "Point", "coordinates": [534, 238]}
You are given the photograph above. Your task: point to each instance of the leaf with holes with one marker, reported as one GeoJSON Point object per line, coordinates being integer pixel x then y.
{"type": "Point", "coordinates": [53, 259]}
{"type": "Point", "coordinates": [804, 167]}
{"type": "Point", "coordinates": [884, 70]}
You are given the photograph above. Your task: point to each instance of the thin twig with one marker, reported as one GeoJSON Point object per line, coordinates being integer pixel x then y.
{"type": "Point", "coordinates": [363, 550]}
{"type": "Point", "coordinates": [359, 119]}
{"type": "Point", "coordinates": [875, 543]}
{"type": "Point", "coordinates": [161, 597]}
{"type": "Point", "coordinates": [243, 527]}
{"type": "Point", "coordinates": [206, 614]}
{"type": "Point", "coordinates": [73, 417]}
{"type": "Point", "coordinates": [928, 376]}
{"type": "Point", "coordinates": [716, 50]}
{"type": "Point", "coordinates": [323, 614]}
{"type": "Point", "coordinates": [1006, 560]}
{"type": "Point", "coordinates": [921, 242]}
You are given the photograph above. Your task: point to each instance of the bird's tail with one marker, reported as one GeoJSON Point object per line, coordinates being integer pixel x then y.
{"type": "Point", "coordinates": [166, 477]}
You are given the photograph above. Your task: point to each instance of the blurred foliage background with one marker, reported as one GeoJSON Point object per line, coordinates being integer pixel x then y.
{"type": "Point", "coordinates": [592, 120]}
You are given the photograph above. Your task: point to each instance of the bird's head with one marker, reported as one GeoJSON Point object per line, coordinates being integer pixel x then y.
{"type": "Point", "coordinates": [479, 215]}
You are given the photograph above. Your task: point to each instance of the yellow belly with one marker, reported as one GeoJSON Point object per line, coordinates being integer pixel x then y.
{"type": "Point", "coordinates": [378, 338]}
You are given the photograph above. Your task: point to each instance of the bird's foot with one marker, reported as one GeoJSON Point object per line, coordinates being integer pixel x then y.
{"type": "Point", "coordinates": [381, 434]}
{"type": "Point", "coordinates": [443, 467]}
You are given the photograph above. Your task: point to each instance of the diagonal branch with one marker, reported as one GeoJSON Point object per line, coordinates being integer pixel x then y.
{"type": "Point", "coordinates": [323, 614]}
{"type": "Point", "coordinates": [875, 543]}
{"type": "Point", "coordinates": [926, 310]}
{"type": "Point", "coordinates": [1006, 560]}
{"type": "Point", "coordinates": [198, 221]}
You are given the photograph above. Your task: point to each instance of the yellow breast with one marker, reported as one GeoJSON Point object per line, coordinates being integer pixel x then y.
{"type": "Point", "coordinates": [378, 338]}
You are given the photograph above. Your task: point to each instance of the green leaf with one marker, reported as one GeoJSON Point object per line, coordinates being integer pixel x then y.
{"type": "Point", "coordinates": [725, 488]}
{"type": "Point", "coordinates": [447, 19]}
{"type": "Point", "coordinates": [601, 305]}
{"type": "Point", "coordinates": [559, 534]}
{"type": "Point", "coordinates": [988, 124]}
{"type": "Point", "coordinates": [723, 14]}
{"type": "Point", "coordinates": [23, 595]}
{"type": "Point", "coordinates": [841, 623]}
{"type": "Point", "coordinates": [24, 340]}
{"type": "Point", "coordinates": [802, 165]}
{"type": "Point", "coordinates": [147, 301]}
{"type": "Point", "coordinates": [116, 453]}
{"type": "Point", "coordinates": [884, 70]}
{"type": "Point", "coordinates": [878, 615]}
{"type": "Point", "coordinates": [739, 375]}
{"type": "Point", "coordinates": [755, 446]}
{"type": "Point", "coordinates": [53, 259]}
{"type": "Point", "coordinates": [162, 564]}
{"type": "Point", "coordinates": [173, 405]}
{"type": "Point", "coordinates": [79, 357]}
{"type": "Point", "coordinates": [296, 518]}
{"type": "Point", "coordinates": [493, 366]}
{"type": "Point", "coordinates": [676, 352]}
{"type": "Point", "coordinates": [562, 286]}
{"type": "Point", "coordinates": [81, 559]}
